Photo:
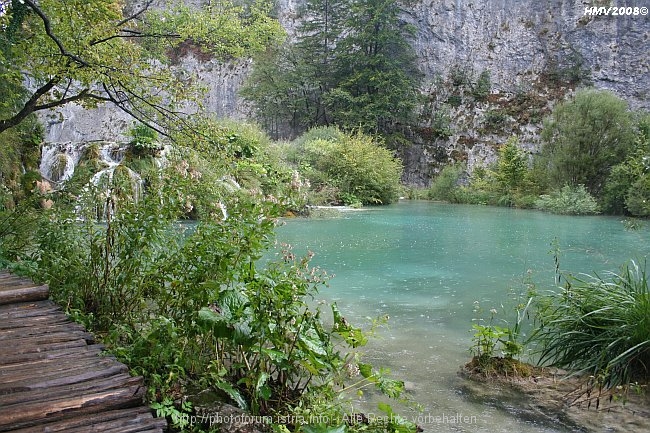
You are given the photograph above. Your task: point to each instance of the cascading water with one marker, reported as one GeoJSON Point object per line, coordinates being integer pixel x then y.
{"type": "Point", "coordinates": [112, 155]}
{"type": "Point", "coordinates": [58, 161]}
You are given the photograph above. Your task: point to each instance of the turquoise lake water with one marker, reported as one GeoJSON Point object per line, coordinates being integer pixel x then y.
{"type": "Point", "coordinates": [426, 264]}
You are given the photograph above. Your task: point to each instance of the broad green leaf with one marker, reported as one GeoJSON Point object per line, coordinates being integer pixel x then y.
{"type": "Point", "coordinates": [232, 393]}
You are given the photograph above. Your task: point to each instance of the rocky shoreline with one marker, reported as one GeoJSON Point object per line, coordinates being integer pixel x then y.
{"type": "Point", "coordinates": [548, 396]}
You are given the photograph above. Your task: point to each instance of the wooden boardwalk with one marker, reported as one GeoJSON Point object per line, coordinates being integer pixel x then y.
{"type": "Point", "coordinates": [53, 377]}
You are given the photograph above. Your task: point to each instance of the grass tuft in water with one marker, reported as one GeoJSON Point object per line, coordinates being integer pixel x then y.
{"type": "Point", "coordinates": [599, 327]}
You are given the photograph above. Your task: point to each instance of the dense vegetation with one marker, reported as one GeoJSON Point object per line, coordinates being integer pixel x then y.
{"type": "Point", "coordinates": [193, 307]}
{"type": "Point", "coordinates": [594, 326]}
{"type": "Point", "coordinates": [201, 306]}
{"type": "Point", "coordinates": [593, 159]}
{"type": "Point", "coordinates": [344, 168]}
{"type": "Point", "coordinates": [351, 66]}
{"type": "Point", "coordinates": [190, 306]}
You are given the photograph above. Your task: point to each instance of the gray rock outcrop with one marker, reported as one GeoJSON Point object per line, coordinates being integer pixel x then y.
{"type": "Point", "coordinates": [522, 43]}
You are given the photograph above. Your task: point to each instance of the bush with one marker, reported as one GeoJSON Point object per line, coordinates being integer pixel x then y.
{"type": "Point", "coordinates": [359, 167]}
{"type": "Point", "coordinates": [584, 138]}
{"type": "Point", "coordinates": [638, 197]}
{"type": "Point", "coordinates": [445, 186]}
{"type": "Point", "coordinates": [512, 167]}
{"type": "Point", "coordinates": [441, 123]}
{"type": "Point", "coordinates": [144, 140]}
{"type": "Point", "coordinates": [598, 327]}
{"type": "Point", "coordinates": [569, 200]}
{"type": "Point", "coordinates": [626, 190]}
{"type": "Point", "coordinates": [481, 89]}
{"type": "Point", "coordinates": [495, 120]}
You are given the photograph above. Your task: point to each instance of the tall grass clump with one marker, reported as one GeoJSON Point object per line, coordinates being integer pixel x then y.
{"type": "Point", "coordinates": [599, 327]}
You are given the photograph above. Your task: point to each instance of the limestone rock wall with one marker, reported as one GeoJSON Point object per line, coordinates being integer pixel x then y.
{"type": "Point", "coordinates": [520, 42]}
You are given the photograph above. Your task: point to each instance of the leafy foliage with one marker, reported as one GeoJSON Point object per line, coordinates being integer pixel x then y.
{"type": "Point", "coordinates": [569, 200]}
{"type": "Point", "coordinates": [626, 187]}
{"type": "Point", "coordinates": [598, 326]}
{"type": "Point", "coordinates": [144, 140]}
{"type": "Point", "coordinates": [512, 166]}
{"type": "Point", "coordinates": [351, 66]}
{"type": "Point", "coordinates": [445, 185]}
{"type": "Point", "coordinates": [358, 167]}
{"type": "Point", "coordinates": [85, 52]}
{"type": "Point", "coordinates": [481, 89]}
{"type": "Point", "coordinates": [506, 183]}
{"type": "Point", "coordinates": [584, 138]}
{"type": "Point", "coordinates": [195, 306]}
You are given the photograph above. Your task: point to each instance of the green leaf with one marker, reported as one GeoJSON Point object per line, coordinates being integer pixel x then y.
{"type": "Point", "coordinates": [274, 355]}
{"type": "Point", "coordinates": [261, 388]}
{"type": "Point", "coordinates": [365, 370]}
{"type": "Point", "coordinates": [232, 393]}
{"type": "Point", "coordinates": [311, 342]}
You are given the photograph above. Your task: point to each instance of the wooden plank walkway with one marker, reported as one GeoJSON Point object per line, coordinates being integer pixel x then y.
{"type": "Point", "coordinates": [53, 377]}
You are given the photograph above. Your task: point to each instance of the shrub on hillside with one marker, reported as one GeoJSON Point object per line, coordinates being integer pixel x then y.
{"type": "Point", "coordinates": [445, 186]}
{"type": "Point", "coordinates": [638, 197]}
{"type": "Point", "coordinates": [569, 200]}
{"type": "Point", "coordinates": [359, 167]}
{"type": "Point", "coordinates": [584, 138]}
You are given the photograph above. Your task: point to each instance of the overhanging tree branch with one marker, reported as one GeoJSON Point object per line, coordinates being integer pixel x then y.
{"type": "Point", "coordinates": [30, 105]}
{"type": "Point", "coordinates": [135, 15]}
{"type": "Point", "coordinates": [136, 34]}
{"type": "Point", "coordinates": [51, 35]}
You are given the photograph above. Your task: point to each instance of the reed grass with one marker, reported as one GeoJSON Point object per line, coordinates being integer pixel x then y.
{"type": "Point", "coordinates": [599, 327]}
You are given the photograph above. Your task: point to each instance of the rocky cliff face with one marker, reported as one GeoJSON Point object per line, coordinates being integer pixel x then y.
{"type": "Point", "coordinates": [518, 40]}
{"type": "Point", "coordinates": [530, 48]}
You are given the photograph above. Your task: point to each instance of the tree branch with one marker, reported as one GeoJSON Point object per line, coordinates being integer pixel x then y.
{"type": "Point", "coordinates": [30, 105]}
{"type": "Point", "coordinates": [48, 31]}
{"type": "Point", "coordinates": [81, 95]}
{"type": "Point", "coordinates": [136, 34]}
{"type": "Point", "coordinates": [135, 15]}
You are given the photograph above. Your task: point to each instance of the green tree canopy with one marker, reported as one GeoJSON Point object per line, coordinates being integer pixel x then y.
{"type": "Point", "coordinates": [585, 137]}
{"type": "Point", "coordinates": [87, 51]}
{"type": "Point", "coordinates": [628, 186]}
{"type": "Point", "coordinates": [512, 166]}
{"type": "Point", "coordinates": [352, 66]}
{"type": "Point", "coordinates": [376, 72]}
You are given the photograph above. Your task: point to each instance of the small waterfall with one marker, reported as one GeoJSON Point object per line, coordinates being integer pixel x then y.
{"type": "Point", "coordinates": [58, 161]}
{"type": "Point", "coordinates": [111, 154]}
{"type": "Point", "coordinates": [117, 178]}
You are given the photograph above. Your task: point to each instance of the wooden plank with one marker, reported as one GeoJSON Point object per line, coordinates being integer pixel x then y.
{"type": "Point", "coordinates": [15, 280]}
{"type": "Point", "coordinates": [102, 422]}
{"type": "Point", "coordinates": [68, 372]}
{"type": "Point", "coordinates": [35, 342]}
{"type": "Point", "coordinates": [98, 372]}
{"type": "Point", "coordinates": [24, 294]}
{"type": "Point", "coordinates": [34, 413]}
{"type": "Point", "coordinates": [32, 321]}
{"type": "Point", "coordinates": [8, 359]}
{"type": "Point", "coordinates": [42, 363]}
{"type": "Point", "coordinates": [55, 391]}
{"type": "Point", "coordinates": [28, 309]}
{"type": "Point", "coordinates": [46, 347]}
{"type": "Point", "coordinates": [26, 328]}
{"type": "Point", "coordinates": [52, 380]}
